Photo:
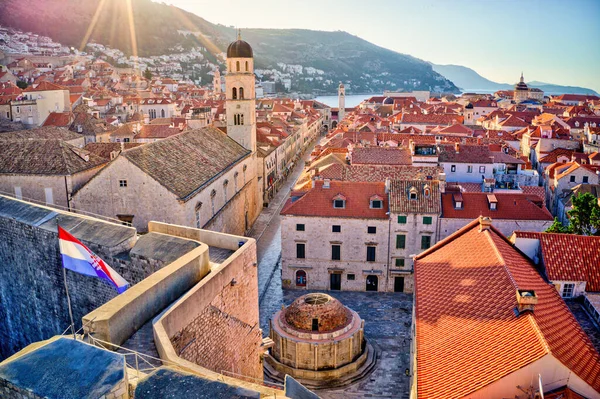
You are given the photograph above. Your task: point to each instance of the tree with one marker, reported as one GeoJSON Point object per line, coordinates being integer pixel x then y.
{"type": "Point", "coordinates": [584, 218]}
{"type": "Point", "coordinates": [557, 227]}
{"type": "Point", "coordinates": [147, 74]}
{"type": "Point", "coordinates": [21, 84]}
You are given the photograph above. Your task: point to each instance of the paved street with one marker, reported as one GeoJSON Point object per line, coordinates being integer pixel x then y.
{"type": "Point", "coordinates": [387, 316]}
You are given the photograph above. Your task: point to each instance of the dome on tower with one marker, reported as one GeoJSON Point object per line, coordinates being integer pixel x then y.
{"type": "Point", "coordinates": [388, 101]}
{"type": "Point", "coordinates": [521, 85]}
{"type": "Point", "coordinates": [239, 49]}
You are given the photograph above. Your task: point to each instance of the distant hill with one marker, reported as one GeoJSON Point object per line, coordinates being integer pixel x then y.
{"type": "Point", "coordinates": [363, 66]}
{"type": "Point", "coordinates": [469, 80]}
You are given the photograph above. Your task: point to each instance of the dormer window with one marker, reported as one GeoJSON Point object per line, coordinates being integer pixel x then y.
{"type": "Point", "coordinates": [339, 201]}
{"type": "Point", "coordinates": [376, 202]}
{"type": "Point", "coordinates": [457, 198]}
{"type": "Point", "coordinates": [412, 193]}
{"type": "Point", "coordinates": [427, 191]}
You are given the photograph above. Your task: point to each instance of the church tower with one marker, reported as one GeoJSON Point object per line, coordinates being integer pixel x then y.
{"type": "Point", "coordinates": [217, 82]}
{"type": "Point", "coordinates": [341, 102]}
{"type": "Point", "coordinates": [240, 94]}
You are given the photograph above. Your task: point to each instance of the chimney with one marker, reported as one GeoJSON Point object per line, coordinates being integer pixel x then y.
{"type": "Point", "coordinates": [457, 147]}
{"type": "Point", "coordinates": [526, 301]}
{"type": "Point", "coordinates": [484, 223]}
{"type": "Point", "coordinates": [479, 140]}
{"type": "Point", "coordinates": [387, 185]}
{"type": "Point", "coordinates": [326, 183]}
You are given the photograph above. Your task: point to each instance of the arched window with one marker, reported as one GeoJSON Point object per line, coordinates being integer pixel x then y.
{"type": "Point", "coordinates": [225, 183]}
{"type": "Point", "coordinates": [237, 65]}
{"type": "Point", "coordinates": [162, 113]}
{"type": "Point", "coordinates": [300, 278]}
{"type": "Point", "coordinates": [235, 176]}
{"type": "Point", "coordinates": [197, 211]}
{"type": "Point", "coordinates": [246, 66]}
{"type": "Point", "coordinates": [234, 93]}
{"type": "Point", "coordinates": [213, 194]}
{"type": "Point", "coordinates": [241, 119]}
{"type": "Point", "coordinates": [241, 93]}
{"type": "Point", "coordinates": [244, 170]}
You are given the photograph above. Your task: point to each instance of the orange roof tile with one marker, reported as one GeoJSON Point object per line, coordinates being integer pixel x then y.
{"type": "Point", "coordinates": [510, 207]}
{"type": "Point", "coordinates": [468, 334]}
{"type": "Point", "coordinates": [319, 201]}
{"type": "Point", "coordinates": [569, 257]}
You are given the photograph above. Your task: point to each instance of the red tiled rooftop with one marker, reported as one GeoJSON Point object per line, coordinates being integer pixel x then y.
{"type": "Point", "coordinates": [510, 207]}
{"type": "Point", "coordinates": [569, 257]}
{"type": "Point", "coordinates": [468, 334]}
{"type": "Point", "coordinates": [318, 201]}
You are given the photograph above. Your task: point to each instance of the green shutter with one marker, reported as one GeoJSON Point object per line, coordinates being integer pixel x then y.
{"type": "Point", "coordinates": [425, 242]}
{"type": "Point", "coordinates": [427, 219]}
{"type": "Point", "coordinates": [402, 219]}
{"type": "Point", "coordinates": [400, 241]}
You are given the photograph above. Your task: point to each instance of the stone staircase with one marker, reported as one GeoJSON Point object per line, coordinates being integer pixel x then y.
{"type": "Point", "coordinates": [363, 372]}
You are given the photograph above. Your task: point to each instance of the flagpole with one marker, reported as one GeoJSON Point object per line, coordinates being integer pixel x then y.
{"type": "Point", "coordinates": [69, 303]}
{"type": "Point", "coordinates": [68, 296]}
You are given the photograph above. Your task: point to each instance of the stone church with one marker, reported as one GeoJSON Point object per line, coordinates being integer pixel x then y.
{"type": "Point", "coordinates": [200, 178]}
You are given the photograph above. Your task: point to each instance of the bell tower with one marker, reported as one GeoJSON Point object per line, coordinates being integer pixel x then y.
{"type": "Point", "coordinates": [240, 94]}
{"type": "Point", "coordinates": [217, 82]}
{"type": "Point", "coordinates": [341, 102]}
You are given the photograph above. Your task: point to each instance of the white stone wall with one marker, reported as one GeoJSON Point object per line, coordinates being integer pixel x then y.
{"type": "Point", "coordinates": [319, 238]}
{"type": "Point", "coordinates": [461, 173]}
{"type": "Point", "coordinates": [449, 226]}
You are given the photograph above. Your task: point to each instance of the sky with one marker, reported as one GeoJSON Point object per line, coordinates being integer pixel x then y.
{"type": "Point", "coordinates": [553, 41]}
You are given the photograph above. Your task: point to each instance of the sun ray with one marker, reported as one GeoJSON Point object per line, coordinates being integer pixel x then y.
{"type": "Point", "coordinates": [189, 25]}
{"type": "Point", "coordinates": [132, 36]}
{"type": "Point", "coordinates": [92, 25]}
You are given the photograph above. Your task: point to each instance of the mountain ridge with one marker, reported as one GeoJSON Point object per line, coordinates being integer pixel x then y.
{"type": "Point", "coordinates": [469, 80]}
{"type": "Point", "coordinates": [361, 65]}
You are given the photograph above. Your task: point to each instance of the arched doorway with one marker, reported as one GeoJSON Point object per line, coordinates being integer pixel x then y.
{"type": "Point", "coordinates": [300, 278]}
{"type": "Point", "coordinates": [372, 283]}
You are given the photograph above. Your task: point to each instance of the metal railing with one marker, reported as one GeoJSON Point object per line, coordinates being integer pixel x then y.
{"type": "Point", "coordinates": [144, 364]}
{"type": "Point", "coordinates": [252, 380]}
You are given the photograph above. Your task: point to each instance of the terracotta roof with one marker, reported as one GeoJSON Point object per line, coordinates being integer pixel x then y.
{"type": "Point", "coordinates": [457, 129]}
{"type": "Point", "coordinates": [432, 119]}
{"type": "Point", "coordinates": [45, 86]}
{"type": "Point", "coordinates": [569, 257]}
{"type": "Point", "coordinates": [318, 201]}
{"type": "Point", "coordinates": [553, 155]}
{"type": "Point", "coordinates": [510, 207]}
{"type": "Point", "coordinates": [41, 133]}
{"type": "Point", "coordinates": [44, 157]}
{"type": "Point", "coordinates": [399, 196]}
{"type": "Point", "coordinates": [62, 119]}
{"type": "Point", "coordinates": [468, 334]}
{"type": "Point", "coordinates": [156, 132]}
{"type": "Point", "coordinates": [186, 162]}
{"type": "Point", "coordinates": [103, 150]}
{"type": "Point", "coordinates": [381, 156]}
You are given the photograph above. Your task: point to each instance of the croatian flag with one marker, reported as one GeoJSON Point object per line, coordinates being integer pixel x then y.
{"type": "Point", "coordinates": [78, 258]}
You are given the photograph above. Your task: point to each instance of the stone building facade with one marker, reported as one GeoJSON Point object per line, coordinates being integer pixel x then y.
{"type": "Point", "coordinates": [334, 239]}
{"type": "Point", "coordinates": [414, 220]}
{"type": "Point", "coordinates": [200, 178]}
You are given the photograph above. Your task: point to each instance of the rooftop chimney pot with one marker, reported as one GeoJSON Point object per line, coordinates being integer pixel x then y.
{"type": "Point", "coordinates": [484, 223]}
